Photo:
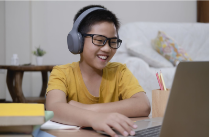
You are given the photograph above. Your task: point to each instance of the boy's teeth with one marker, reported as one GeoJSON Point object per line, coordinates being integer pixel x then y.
{"type": "Point", "coordinates": [103, 57]}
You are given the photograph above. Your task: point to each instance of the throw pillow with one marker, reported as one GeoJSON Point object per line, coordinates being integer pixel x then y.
{"type": "Point", "coordinates": [169, 49]}
{"type": "Point", "coordinates": [147, 53]}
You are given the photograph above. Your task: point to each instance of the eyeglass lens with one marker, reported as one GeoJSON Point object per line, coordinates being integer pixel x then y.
{"type": "Point", "coordinates": [100, 40]}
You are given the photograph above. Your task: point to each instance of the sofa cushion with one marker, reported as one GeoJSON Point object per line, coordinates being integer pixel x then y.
{"type": "Point", "coordinates": [169, 49]}
{"type": "Point", "coordinates": [147, 53]}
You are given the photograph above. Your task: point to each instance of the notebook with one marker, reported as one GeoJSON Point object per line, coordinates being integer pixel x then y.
{"type": "Point", "coordinates": [187, 111]}
{"type": "Point", "coordinates": [54, 125]}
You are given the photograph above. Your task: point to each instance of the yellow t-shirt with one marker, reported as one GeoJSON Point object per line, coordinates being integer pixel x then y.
{"type": "Point", "coordinates": [117, 83]}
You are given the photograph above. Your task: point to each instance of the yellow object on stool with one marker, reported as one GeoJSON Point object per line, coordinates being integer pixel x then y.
{"type": "Point", "coordinates": [159, 102]}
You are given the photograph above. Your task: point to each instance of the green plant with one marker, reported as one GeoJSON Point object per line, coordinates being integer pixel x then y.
{"type": "Point", "coordinates": [39, 52]}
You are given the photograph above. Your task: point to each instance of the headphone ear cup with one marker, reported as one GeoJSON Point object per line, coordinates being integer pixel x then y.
{"type": "Point", "coordinates": [74, 41]}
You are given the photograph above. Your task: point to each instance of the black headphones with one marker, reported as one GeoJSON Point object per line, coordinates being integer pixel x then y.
{"type": "Point", "coordinates": [74, 38]}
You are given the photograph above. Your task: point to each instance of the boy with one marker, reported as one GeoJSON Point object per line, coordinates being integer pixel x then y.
{"type": "Point", "coordinates": [92, 92]}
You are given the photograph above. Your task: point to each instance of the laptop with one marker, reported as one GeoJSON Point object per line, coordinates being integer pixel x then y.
{"type": "Point", "coordinates": [187, 111]}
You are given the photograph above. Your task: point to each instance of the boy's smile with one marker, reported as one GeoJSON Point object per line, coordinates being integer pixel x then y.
{"type": "Point", "coordinates": [103, 57]}
{"type": "Point", "coordinates": [98, 56]}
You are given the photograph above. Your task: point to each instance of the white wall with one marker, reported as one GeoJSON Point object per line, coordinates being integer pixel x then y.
{"type": "Point", "coordinates": [30, 24]}
{"type": "Point", "coordinates": [18, 37]}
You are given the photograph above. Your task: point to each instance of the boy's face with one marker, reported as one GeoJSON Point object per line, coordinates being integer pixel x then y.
{"type": "Point", "coordinates": [92, 54]}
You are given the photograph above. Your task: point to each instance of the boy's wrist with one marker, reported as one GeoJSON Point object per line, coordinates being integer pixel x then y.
{"type": "Point", "coordinates": [90, 118]}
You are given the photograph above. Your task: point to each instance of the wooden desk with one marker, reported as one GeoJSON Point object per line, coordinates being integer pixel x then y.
{"type": "Point", "coordinates": [82, 132]}
{"type": "Point", "coordinates": [14, 82]}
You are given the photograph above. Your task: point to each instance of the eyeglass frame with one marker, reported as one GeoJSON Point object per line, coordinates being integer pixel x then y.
{"type": "Point", "coordinates": [91, 35]}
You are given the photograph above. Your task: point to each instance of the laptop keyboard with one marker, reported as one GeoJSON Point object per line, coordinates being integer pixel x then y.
{"type": "Point", "coordinates": [149, 132]}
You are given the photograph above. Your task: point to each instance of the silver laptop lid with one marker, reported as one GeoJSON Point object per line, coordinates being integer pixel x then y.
{"type": "Point", "coordinates": [187, 112]}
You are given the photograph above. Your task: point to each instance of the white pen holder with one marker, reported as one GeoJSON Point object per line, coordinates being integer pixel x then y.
{"type": "Point", "coordinates": [159, 102]}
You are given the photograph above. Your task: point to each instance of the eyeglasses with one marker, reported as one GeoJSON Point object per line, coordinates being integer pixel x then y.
{"type": "Point", "coordinates": [101, 40]}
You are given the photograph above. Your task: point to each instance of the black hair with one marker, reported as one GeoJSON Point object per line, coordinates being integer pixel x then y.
{"type": "Point", "coordinates": [96, 17]}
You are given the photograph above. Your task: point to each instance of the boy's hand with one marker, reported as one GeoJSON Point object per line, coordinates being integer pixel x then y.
{"type": "Point", "coordinates": [106, 121]}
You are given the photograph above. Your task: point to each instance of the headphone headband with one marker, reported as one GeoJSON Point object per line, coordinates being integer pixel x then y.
{"type": "Point", "coordinates": [83, 15]}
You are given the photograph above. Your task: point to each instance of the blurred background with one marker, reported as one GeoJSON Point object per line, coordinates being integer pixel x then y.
{"type": "Point", "coordinates": [29, 24]}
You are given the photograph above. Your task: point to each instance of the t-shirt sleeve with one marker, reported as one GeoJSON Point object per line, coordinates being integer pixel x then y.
{"type": "Point", "coordinates": [57, 80]}
{"type": "Point", "coordinates": [128, 84]}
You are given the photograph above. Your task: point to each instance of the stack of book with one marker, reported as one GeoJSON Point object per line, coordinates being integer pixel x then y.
{"type": "Point", "coordinates": [21, 119]}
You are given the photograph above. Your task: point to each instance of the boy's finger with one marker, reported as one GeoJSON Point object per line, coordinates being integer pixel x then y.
{"type": "Point", "coordinates": [119, 128]}
{"type": "Point", "coordinates": [131, 123]}
{"type": "Point", "coordinates": [127, 128]}
{"type": "Point", "coordinates": [109, 131]}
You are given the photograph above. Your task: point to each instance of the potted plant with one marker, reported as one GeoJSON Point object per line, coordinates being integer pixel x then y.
{"type": "Point", "coordinates": [39, 53]}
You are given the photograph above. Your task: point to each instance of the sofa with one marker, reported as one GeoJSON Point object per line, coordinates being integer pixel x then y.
{"type": "Point", "coordinates": [139, 55]}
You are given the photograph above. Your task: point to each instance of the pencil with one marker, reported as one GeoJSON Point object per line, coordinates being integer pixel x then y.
{"type": "Point", "coordinates": [161, 76]}
{"type": "Point", "coordinates": [161, 88]}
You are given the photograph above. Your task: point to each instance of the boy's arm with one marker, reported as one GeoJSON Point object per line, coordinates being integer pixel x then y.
{"type": "Point", "coordinates": [69, 114]}
{"type": "Point", "coordinates": [136, 106]}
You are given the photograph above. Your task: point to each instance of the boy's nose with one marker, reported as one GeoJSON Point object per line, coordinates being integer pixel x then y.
{"type": "Point", "coordinates": [106, 47]}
